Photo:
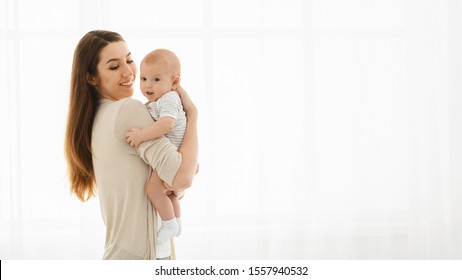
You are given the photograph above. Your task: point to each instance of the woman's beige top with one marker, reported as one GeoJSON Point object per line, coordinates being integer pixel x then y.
{"type": "Point", "coordinates": [121, 175]}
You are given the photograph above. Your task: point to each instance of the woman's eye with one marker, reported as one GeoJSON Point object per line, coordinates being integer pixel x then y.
{"type": "Point", "coordinates": [114, 67]}
{"type": "Point", "coordinates": [130, 61]}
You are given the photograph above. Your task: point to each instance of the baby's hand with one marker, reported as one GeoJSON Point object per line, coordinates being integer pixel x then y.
{"type": "Point", "coordinates": [134, 137]}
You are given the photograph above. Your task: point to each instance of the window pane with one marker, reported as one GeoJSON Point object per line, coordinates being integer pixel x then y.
{"type": "Point", "coordinates": [156, 14]}
{"type": "Point", "coordinates": [48, 14]}
{"type": "Point", "coordinates": [361, 129]}
{"type": "Point", "coordinates": [236, 99]}
{"type": "Point", "coordinates": [44, 99]}
{"type": "Point", "coordinates": [4, 11]}
{"type": "Point", "coordinates": [359, 13]}
{"type": "Point", "coordinates": [282, 124]}
{"type": "Point", "coordinates": [5, 180]}
{"type": "Point", "coordinates": [7, 14]}
{"type": "Point", "coordinates": [257, 14]}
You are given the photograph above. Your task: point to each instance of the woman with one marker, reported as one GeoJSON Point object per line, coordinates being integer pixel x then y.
{"type": "Point", "coordinates": [101, 112]}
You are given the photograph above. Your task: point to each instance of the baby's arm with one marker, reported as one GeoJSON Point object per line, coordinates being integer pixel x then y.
{"type": "Point", "coordinates": [159, 128]}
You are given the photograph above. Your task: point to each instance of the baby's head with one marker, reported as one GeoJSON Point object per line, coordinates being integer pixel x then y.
{"type": "Point", "coordinates": [159, 73]}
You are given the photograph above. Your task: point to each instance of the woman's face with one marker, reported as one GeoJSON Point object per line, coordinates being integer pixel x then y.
{"type": "Point", "coordinates": [116, 72]}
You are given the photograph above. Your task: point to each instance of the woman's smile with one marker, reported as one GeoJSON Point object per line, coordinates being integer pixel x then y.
{"type": "Point", "coordinates": [128, 83]}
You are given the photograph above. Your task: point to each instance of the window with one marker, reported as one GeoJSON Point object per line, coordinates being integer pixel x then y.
{"type": "Point", "coordinates": [328, 129]}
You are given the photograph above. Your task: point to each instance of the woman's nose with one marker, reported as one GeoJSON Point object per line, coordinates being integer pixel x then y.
{"type": "Point", "coordinates": [127, 72]}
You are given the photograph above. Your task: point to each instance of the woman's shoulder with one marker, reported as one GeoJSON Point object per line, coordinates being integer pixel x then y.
{"type": "Point", "coordinates": [129, 101]}
{"type": "Point", "coordinates": [130, 109]}
{"type": "Point", "coordinates": [130, 106]}
{"type": "Point", "coordinates": [131, 113]}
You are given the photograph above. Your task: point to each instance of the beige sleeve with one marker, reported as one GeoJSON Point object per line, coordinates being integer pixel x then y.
{"type": "Point", "coordinates": [159, 153]}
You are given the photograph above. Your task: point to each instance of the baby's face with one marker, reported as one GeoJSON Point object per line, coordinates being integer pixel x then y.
{"type": "Point", "coordinates": [154, 80]}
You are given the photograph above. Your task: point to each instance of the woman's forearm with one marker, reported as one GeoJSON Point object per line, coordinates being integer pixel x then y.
{"type": "Point", "coordinates": [189, 153]}
{"type": "Point", "coordinates": [189, 147]}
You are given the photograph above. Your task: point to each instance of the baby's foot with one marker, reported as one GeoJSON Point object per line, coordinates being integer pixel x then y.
{"type": "Point", "coordinates": [168, 230]}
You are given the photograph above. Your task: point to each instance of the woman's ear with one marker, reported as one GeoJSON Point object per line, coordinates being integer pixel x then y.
{"type": "Point", "coordinates": [176, 82]}
{"type": "Point", "coordinates": [91, 80]}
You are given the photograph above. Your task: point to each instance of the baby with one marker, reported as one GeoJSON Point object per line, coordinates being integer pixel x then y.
{"type": "Point", "coordinates": [159, 78]}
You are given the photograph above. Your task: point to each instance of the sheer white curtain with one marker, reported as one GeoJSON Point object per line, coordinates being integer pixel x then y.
{"type": "Point", "coordinates": [328, 129]}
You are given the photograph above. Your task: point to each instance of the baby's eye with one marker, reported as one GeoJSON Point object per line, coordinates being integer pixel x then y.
{"type": "Point", "coordinates": [156, 79]}
{"type": "Point", "coordinates": [143, 79]}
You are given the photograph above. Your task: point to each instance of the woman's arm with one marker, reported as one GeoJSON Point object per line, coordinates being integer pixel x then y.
{"type": "Point", "coordinates": [189, 148]}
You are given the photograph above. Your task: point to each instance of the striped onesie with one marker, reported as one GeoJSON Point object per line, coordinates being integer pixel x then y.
{"type": "Point", "coordinates": [169, 105]}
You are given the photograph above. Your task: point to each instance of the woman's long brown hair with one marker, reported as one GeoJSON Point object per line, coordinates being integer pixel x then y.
{"type": "Point", "coordinates": [82, 110]}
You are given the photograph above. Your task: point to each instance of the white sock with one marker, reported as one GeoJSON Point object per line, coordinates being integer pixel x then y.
{"type": "Point", "coordinates": [178, 221]}
{"type": "Point", "coordinates": [168, 230]}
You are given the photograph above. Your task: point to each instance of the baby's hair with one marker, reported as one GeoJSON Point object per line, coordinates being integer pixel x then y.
{"type": "Point", "coordinates": [166, 56]}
